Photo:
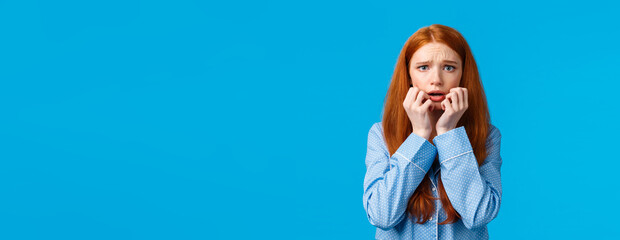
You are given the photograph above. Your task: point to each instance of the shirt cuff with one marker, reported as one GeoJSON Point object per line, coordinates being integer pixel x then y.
{"type": "Point", "coordinates": [417, 150]}
{"type": "Point", "coordinates": [452, 143]}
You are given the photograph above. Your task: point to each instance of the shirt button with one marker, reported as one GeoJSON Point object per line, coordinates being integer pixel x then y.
{"type": "Point", "coordinates": [431, 217]}
{"type": "Point", "coordinates": [434, 189]}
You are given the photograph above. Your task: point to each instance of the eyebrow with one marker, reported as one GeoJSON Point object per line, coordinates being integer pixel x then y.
{"type": "Point", "coordinates": [446, 61]}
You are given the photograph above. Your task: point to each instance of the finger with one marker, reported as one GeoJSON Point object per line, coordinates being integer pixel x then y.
{"type": "Point", "coordinates": [466, 101]}
{"type": "Point", "coordinates": [459, 93]}
{"type": "Point", "coordinates": [449, 98]}
{"type": "Point", "coordinates": [421, 97]}
{"type": "Point", "coordinates": [408, 97]}
{"type": "Point", "coordinates": [418, 98]}
{"type": "Point", "coordinates": [445, 105]}
{"type": "Point", "coordinates": [455, 99]}
{"type": "Point", "coordinates": [414, 93]}
{"type": "Point", "coordinates": [426, 105]}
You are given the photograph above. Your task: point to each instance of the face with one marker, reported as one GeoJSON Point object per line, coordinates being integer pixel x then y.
{"type": "Point", "coordinates": [435, 66]}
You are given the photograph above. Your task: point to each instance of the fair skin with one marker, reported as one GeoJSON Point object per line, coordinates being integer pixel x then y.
{"type": "Point", "coordinates": [435, 66]}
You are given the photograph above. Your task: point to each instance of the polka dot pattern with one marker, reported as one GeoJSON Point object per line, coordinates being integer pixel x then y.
{"type": "Point", "coordinates": [475, 192]}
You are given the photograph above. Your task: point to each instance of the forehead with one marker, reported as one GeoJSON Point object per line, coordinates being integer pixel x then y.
{"type": "Point", "coordinates": [435, 52]}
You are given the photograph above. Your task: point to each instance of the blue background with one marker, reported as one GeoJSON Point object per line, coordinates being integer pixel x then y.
{"type": "Point", "coordinates": [212, 120]}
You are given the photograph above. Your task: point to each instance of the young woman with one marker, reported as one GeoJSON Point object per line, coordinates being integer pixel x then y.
{"type": "Point", "coordinates": [450, 188]}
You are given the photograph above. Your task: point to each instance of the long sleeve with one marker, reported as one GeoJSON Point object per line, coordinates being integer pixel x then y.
{"type": "Point", "coordinates": [475, 192]}
{"type": "Point", "coordinates": [390, 181]}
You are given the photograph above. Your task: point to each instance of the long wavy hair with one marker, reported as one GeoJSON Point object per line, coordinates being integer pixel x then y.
{"type": "Point", "coordinates": [397, 126]}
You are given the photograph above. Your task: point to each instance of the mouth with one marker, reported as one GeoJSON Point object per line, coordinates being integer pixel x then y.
{"type": "Point", "coordinates": [437, 96]}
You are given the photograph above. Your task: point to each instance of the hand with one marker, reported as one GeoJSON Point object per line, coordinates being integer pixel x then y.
{"type": "Point", "coordinates": [454, 106]}
{"type": "Point", "coordinates": [418, 111]}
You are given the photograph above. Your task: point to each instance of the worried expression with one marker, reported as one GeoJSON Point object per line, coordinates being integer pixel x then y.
{"type": "Point", "coordinates": [435, 69]}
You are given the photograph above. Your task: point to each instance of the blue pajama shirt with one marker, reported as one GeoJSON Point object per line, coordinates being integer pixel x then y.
{"type": "Point", "coordinates": [475, 192]}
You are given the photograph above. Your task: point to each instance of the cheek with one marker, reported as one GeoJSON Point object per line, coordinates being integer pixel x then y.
{"type": "Point", "coordinates": [455, 81]}
{"type": "Point", "coordinates": [417, 79]}
{"type": "Point", "coordinates": [459, 78]}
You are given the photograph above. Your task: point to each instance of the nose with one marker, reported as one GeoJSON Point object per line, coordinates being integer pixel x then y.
{"type": "Point", "coordinates": [436, 79]}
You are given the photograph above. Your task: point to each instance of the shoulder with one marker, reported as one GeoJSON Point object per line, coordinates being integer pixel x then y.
{"type": "Point", "coordinates": [377, 128]}
{"type": "Point", "coordinates": [494, 131]}
{"type": "Point", "coordinates": [376, 140]}
{"type": "Point", "coordinates": [376, 131]}
{"type": "Point", "coordinates": [494, 134]}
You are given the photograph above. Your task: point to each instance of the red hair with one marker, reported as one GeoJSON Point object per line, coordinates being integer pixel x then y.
{"type": "Point", "coordinates": [397, 126]}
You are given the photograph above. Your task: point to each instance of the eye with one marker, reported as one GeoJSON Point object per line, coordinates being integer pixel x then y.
{"type": "Point", "coordinates": [423, 66]}
{"type": "Point", "coordinates": [449, 66]}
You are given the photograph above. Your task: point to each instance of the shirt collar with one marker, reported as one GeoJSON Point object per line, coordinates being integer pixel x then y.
{"type": "Point", "coordinates": [435, 167]}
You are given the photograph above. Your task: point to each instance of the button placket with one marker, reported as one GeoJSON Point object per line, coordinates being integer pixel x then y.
{"type": "Point", "coordinates": [437, 201]}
